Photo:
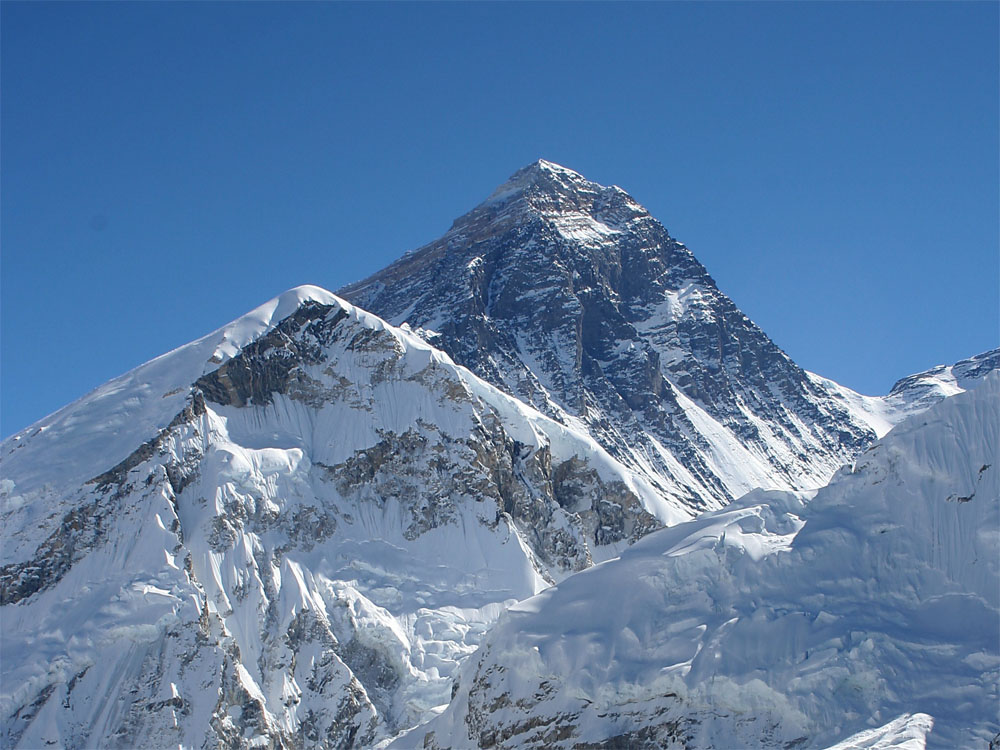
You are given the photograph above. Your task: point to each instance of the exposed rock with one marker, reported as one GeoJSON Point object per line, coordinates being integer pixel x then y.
{"type": "Point", "coordinates": [570, 296]}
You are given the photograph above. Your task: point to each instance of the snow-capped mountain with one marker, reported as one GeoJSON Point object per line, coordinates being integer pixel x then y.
{"type": "Point", "coordinates": [570, 296]}
{"type": "Point", "coordinates": [867, 612]}
{"type": "Point", "coordinates": [289, 532]}
{"type": "Point", "coordinates": [294, 531]}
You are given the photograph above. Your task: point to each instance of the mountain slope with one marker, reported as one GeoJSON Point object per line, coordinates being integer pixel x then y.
{"type": "Point", "coordinates": [912, 394]}
{"type": "Point", "coordinates": [785, 620]}
{"type": "Point", "coordinates": [570, 296]}
{"type": "Point", "coordinates": [287, 533]}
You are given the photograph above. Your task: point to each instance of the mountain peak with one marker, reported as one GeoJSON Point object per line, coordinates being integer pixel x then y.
{"type": "Point", "coordinates": [573, 298]}
{"type": "Point", "coordinates": [551, 192]}
{"type": "Point", "coordinates": [546, 168]}
{"type": "Point", "coordinates": [543, 177]}
{"type": "Point", "coordinates": [544, 165]}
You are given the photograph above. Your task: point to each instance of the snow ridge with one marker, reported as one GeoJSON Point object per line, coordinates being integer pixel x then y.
{"type": "Point", "coordinates": [302, 552]}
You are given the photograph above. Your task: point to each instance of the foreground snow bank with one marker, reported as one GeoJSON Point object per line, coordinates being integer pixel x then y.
{"type": "Point", "coordinates": [869, 611]}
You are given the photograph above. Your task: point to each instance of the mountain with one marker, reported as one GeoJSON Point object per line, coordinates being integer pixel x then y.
{"type": "Point", "coordinates": [916, 393]}
{"type": "Point", "coordinates": [571, 297]}
{"type": "Point", "coordinates": [785, 620]}
{"type": "Point", "coordinates": [294, 531]}
{"type": "Point", "coordinates": [290, 531]}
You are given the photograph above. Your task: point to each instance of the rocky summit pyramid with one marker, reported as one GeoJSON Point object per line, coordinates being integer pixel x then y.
{"type": "Point", "coordinates": [570, 296]}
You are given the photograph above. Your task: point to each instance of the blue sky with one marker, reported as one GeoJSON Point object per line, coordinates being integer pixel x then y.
{"type": "Point", "coordinates": [169, 166]}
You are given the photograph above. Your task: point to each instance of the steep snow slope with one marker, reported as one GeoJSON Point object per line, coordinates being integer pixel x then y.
{"type": "Point", "coordinates": [107, 424]}
{"type": "Point", "coordinates": [785, 620]}
{"type": "Point", "coordinates": [289, 532]}
{"type": "Point", "coordinates": [570, 296]}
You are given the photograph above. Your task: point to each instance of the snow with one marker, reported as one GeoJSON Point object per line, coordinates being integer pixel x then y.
{"type": "Point", "coordinates": [688, 299]}
{"type": "Point", "coordinates": [180, 576]}
{"type": "Point", "coordinates": [906, 732]}
{"type": "Point", "coordinates": [107, 424]}
{"type": "Point", "coordinates": [582, 227]}
{"type": "Point", "coordinates": [827, 612]}
{"type": "Point", "coordinates": [822, 614]}
{"type": "Point", "coordinates": [912, 394]}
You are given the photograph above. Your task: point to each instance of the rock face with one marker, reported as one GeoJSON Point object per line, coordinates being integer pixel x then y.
{"type": "Point", "coordinates": [302, 554]}
{"type": "Point", "coordinates": [785, 620]}
{"type": "Point", "coordinates": [571, 297]}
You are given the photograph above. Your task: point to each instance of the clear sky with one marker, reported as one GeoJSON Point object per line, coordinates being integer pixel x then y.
{"type": "Point", "coordinates": [168, 166]}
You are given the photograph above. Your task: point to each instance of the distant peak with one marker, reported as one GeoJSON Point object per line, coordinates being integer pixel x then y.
{"type": "Point", "coordinates": [542, 168]}
{"type": "Point", "coordinates": [550, 166]}
{"type": "Point", "coordinates": [547, 177]}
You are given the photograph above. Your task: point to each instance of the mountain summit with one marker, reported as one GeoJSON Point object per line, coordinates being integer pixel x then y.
{"type": "Point", "coordinates": [539, 183]}
{"type": "Point", "coordinates": [570, 296]}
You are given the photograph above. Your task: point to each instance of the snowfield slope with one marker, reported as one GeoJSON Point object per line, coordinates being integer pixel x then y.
{"type": "Point", "coordinates": [869, 610]}
{"type": "Point", "coordinates": [288, 533]}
